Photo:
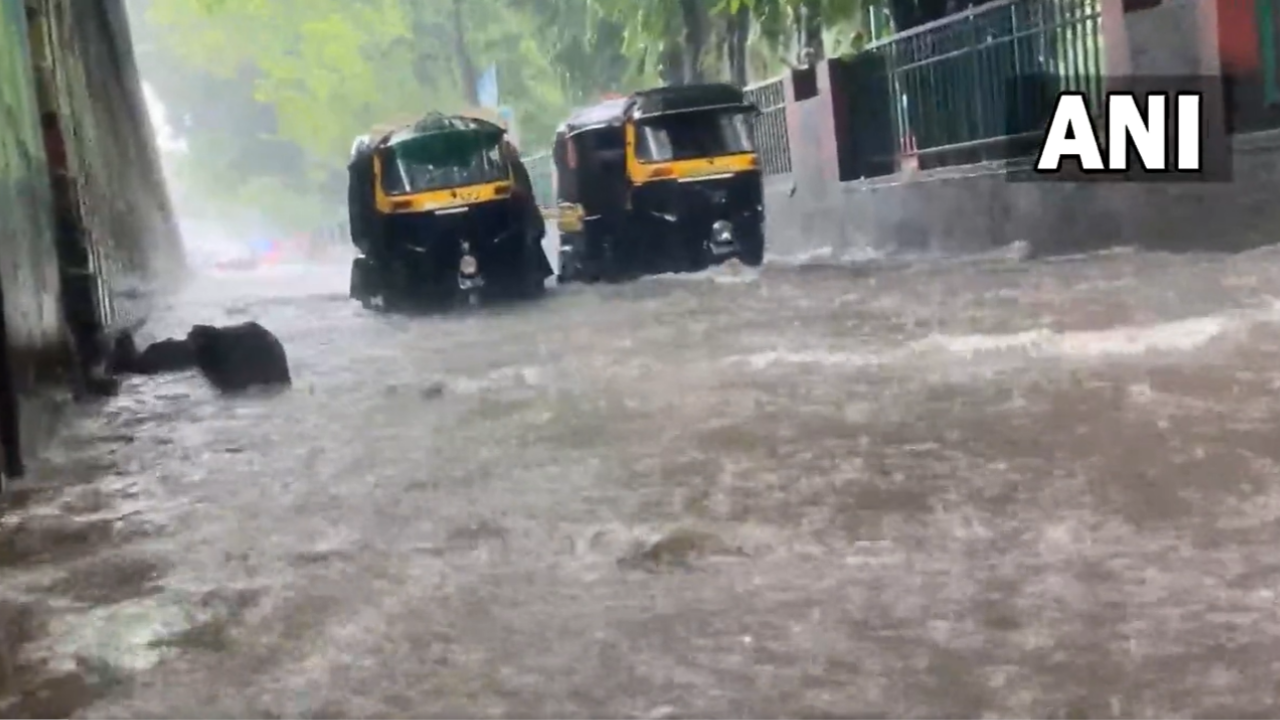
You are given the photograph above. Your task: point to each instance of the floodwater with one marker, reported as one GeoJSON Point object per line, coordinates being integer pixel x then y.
{"type": "Point", "coordinates": [960, 489]}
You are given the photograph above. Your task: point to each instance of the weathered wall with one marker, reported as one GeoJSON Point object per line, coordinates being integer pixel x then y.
{"type": "Point", "coordinates": [126, 206]}
{"type": "Point", "coordinates": [979, 208]}
{"type": "Point", "coordinates": [29, 283]}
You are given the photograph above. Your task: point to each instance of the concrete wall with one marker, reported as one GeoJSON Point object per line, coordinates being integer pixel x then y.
{"type": "Point", "coordinates": [976, 208]}
{"type": "Point", "coordinates": [28, 262]}
{"type": "Point", "coordinates": [135, 245]}
{"type": "Point", "coordinates": [29, 284]}
{"type": "Point", "coordinates": [126, 206]}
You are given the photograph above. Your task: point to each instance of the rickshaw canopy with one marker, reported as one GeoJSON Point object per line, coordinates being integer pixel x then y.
{"type": "Point", "coordinates": [654, 102]}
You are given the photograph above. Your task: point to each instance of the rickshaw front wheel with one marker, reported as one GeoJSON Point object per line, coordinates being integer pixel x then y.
{"type": "Point", "coordinates": [751, 249]}
{"type": "Point", "coordinates": [611, 264]}
{"type": "Point", "coordinates": [363, 285]}
{"type": "Point", "coordinates": [371, 287]}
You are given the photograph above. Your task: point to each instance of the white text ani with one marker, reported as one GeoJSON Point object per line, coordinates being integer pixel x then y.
{"type": "Point", "coordinates": [1072, 134]}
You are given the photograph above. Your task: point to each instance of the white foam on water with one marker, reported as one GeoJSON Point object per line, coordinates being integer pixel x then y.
{"type": "Point", "coordinates": [1177, 336]}
{"type": "Point", "coordinates": [1121, 251]}
{"type": "Point", "coordinates": [731, 272]}
{"type": "Point", "coordinates": [770, 358]}
{"type": "Point", "coordinates": [524, 376]}
{"type": "Point", "coordinates": [825, 253]}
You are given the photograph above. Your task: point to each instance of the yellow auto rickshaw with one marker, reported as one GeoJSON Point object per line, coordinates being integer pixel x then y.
{"type": "Point", "coordinates": [658, 181]}
{"type": "Point", "coordinates": [442, 208]}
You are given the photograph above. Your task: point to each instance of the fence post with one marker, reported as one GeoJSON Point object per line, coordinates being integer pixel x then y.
{"type": "Point", "coordinates": [769, 128]}
{"type": "Point", "coordinates": [812, 130]}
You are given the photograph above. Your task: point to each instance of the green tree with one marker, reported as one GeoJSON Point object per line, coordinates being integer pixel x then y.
{"type": "Point", "coordinates": [756, 37]}
{"type": "Point", "coordinates": [277, 89]}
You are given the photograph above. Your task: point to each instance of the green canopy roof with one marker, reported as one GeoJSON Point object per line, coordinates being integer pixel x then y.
{"type": "Point", "coordinates": [435, 123]}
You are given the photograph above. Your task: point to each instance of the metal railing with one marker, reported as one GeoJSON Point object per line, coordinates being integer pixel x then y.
{"type": "Point", "coordinates": [769, 128]}
{"type": "Point", "coordinates": [979, 85]}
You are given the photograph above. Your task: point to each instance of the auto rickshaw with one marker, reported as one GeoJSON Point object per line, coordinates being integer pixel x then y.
{"type": "Point", "coordinates": [663, 180]}
{"type": "Point", "coordinates": [442, 209]}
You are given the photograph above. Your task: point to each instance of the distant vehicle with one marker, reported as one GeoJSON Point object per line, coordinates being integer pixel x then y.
{"type": "Point", "coordinates": [237, 264]}
{"type": "Point", "coordinates": [221, 255]}
{"type": "Point", "coordinates": [662, 180]}
{"type": "Point", "coordinates": [441, 209]}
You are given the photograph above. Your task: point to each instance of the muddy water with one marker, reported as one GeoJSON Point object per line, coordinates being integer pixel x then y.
{"type": "Point", "coordinates": [953, 489]}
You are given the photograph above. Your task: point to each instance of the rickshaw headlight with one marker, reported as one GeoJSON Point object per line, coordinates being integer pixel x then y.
{"type": "Point", "coordinates": [467, 264]}
{"type": "Point", "coordinates": [722, 231]}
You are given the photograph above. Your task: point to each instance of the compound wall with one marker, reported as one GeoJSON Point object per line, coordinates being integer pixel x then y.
{"type": "Point", "coordinates": [976, 208]}
{"type": "Point", "coordinates": [123, 206]}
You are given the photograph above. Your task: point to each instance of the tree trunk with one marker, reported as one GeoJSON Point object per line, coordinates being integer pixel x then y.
{"type": "Point", "coordinates": [810, 30]}
{"type": "Point", "coordinates": [672, 68]}
{"type": "Point", "coordinates": [695, 39]}
{"type": "Point", "coordinates": [723, 39]}
{"type": "Point", "coordinates": [423, 34]}
{"type": "Point", "coordinates": [903, 13]}
{"type": "Point", "coordinates": [466, 68]}
{"type": "Point", "coordinates": [739, 32]}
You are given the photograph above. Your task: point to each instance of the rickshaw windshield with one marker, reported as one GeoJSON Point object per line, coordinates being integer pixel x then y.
{"type": "Point", "coordinates": [691, 135]}
{"type": "Point", "coordinates": [443, 160]}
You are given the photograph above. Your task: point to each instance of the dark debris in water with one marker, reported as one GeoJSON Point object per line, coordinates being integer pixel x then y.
{"type": "Point", "coordinates": [59, 696]}
{"type": "Point", "coordinates": [429, 391]}
{"type": "Point", "coordinates": [36, 539]}
{"type": "Point", "coordinates": [319, 557]}
{"type": "Point", "coordinates": [211, 636]}
{"type": "Point", "coordinates": [476, 534]}
{"type": "Point", "coordinates": [110, 580]}
{"type": "Point", "coordinates": [678, 550]}
{"type": "Point", "coordinates": [19, 624]}
{"type": "Point", "coordinates": [21, 497]}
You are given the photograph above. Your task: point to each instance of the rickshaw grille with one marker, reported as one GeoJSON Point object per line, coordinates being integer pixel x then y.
{"type": "Point", "coordinates": [432, 242]}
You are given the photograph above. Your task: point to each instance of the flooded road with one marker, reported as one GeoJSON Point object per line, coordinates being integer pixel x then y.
{"type": "Point", "coordinates": [960, 489]}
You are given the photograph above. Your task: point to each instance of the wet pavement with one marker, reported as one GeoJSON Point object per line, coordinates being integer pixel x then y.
{"type": "Point", "coordinates": [942, 489]}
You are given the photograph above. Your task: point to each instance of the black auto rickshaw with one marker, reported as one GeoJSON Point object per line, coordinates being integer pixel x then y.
{"type": "Point", "coordinates": [663, 180]}
{"type": "Point", "coordinates": [442, 209]}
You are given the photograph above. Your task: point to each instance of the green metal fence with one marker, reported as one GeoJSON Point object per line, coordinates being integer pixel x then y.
{"type": "Point", "coordinates": [979, 85]}
{"type": "Point", "coordinates": [769, 128]}
{"type": "Point", "coordinates": [541, 170]}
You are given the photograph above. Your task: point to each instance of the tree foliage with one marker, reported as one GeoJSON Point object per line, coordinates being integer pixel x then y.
{"type": "Point", "coordinates": [271, 93]}
{"type": "Point", "coordinates": [680, 37]}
